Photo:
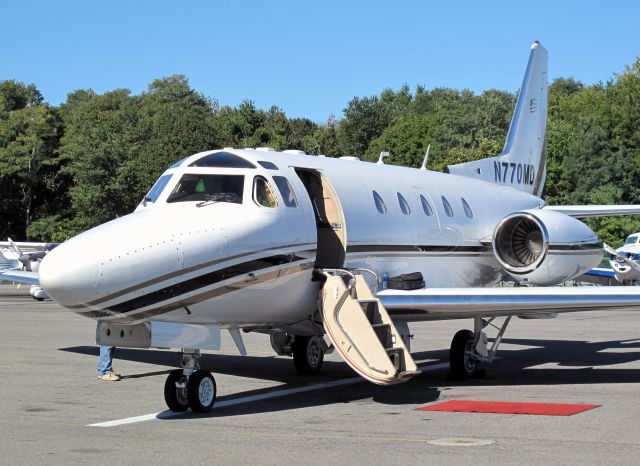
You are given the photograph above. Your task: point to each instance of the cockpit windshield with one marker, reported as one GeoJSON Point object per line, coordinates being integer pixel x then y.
{"type": "Point", "coordinates": [631, 240]}
{"type": "Point", "coordinates": [157, 188]}
{"type": "Point", "coordinates": [213, 188]}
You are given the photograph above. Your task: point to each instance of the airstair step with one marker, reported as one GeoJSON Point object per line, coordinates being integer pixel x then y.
{"type": "Point", "coordinates": [395, 354]}
{"type": "Point", "coordinates": [383, 332]}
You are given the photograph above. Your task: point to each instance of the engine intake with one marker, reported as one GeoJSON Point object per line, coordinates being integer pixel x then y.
{"type": "Point", "coordinates": [543, 247]}
{"type": "Point", "coordinates": [520, 243]}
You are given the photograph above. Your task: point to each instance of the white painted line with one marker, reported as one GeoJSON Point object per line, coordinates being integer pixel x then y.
{"type": "Point", "coordinates": [251, 398]}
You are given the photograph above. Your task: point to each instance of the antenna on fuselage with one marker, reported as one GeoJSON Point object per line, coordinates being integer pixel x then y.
{"type": "Point", "coordinates": [383, 154]}
{"type": "Point", "coordinates": [426, 157]}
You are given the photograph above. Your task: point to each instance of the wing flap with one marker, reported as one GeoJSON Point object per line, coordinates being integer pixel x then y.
{"type": "Point", "coordinates": [464, 303]}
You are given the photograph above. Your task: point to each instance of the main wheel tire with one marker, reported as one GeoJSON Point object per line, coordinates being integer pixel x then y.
{"type": "Point", "coordinates": [461, 363]}
{"type": "Point", "coordinates": [177, 399]}
{"type": "Point", "coordinates": [202, 391]}
{"type": "Point", "coordinates": [307, 354]}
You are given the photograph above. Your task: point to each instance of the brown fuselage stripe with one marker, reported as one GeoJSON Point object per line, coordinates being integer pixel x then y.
{"type": "Point", "coordinates": [203, 281]}
{"type": "Point", "coordinates": [196, 299]}
{"type": "Point", "coordinates": [178, 273]}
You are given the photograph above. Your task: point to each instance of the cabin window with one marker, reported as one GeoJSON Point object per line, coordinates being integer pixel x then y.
{"type": "Point", "coordinates": [262, 193]}
{"type": "Point", "coordinates": [158, 187]}
{"type": "Point", "coordinates": [214, 188]}
{"type": "Point", "coordinates": [447, 207]}
{"type": "Point", "coordinates": [426, 206]}
{"type": "Point", "coordinates": [222, 160]}
{"type": "Point", "coordinates": [631, 240]}
{"type": "Point", "coordinates": [267, 165]}
{"type": "Point", "coordinates": [404, 205]}
{"type": "Point", "coordinates": [467, 208]}
{"type": "Point", "coordinates": [286, 191]}
{"type": "Point", "coordinates": [380, 205]}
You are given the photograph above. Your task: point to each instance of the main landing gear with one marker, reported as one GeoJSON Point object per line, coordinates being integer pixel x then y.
{"type": "Point", "coordinates": [468, 348]}
{"type": "Point", "coordinates": [190, 387]}
{"type": "Point", "coordinates": [307, 351]}
{"type": "Point", "coordinates": [308, 354]}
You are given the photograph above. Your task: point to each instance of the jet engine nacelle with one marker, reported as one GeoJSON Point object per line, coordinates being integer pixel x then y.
{"type": "Point", "coordinates": [543, 247]}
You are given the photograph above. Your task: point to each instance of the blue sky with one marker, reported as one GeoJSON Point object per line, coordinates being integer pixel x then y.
{"type": "Point", "coordinates": [309, 58]}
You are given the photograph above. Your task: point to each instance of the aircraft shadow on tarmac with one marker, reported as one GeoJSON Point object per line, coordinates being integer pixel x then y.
{"type": "Point", "coordinates": [577, 362]}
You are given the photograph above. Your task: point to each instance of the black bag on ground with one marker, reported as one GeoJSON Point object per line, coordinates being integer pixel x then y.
{"type": "Point", "coordinates": [407, 281]}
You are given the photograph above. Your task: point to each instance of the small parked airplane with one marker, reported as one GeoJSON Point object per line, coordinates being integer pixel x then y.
{"type": "Point", "coordinates": [19, 262]}
{"type": "Point", "coordinates": [306, 247]}
{"type": "Point", "coordinates": [625, 261]}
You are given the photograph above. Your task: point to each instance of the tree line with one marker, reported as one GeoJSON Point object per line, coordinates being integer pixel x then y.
{"type": "Point", "coordinates": [67, 168]}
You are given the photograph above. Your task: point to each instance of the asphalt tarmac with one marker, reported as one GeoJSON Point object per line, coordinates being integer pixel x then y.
{"type": "Point", "coordinates": [267, 414]}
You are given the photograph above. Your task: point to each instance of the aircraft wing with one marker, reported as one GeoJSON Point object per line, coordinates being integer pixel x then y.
{"type": "Point", "coordinates": [20, 276]}
{"type": "Point", "coordinates": [528, 302]}
{"type": "Point", "coordinates": [582, 211]}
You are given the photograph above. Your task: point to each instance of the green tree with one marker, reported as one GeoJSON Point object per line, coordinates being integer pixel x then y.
{"type": "Point", "coordinates": [30, 132]}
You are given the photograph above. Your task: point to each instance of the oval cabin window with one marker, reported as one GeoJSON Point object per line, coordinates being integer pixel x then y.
{"type": "Point", "coordinates": [426, 206]}
{"type": "Point", "coordinates": [380, 205]}
{"type": "Point", "coordinates": [447, 207]}
{"type": "Point", "coordinates": [404, 205]}
{"type": "Point", "coordinates": [467, 208]}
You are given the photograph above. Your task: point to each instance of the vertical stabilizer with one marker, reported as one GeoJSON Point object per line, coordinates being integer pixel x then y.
{"type": "Point", "coordinates": [522, 163]}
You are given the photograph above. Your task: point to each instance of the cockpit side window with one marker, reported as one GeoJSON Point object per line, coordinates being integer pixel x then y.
{"type": "Point", "coordinates": [214, 188]}
{"type": "Point", "coordinates": [222, 159]}
{"type": "Point", "coordinates": [158, 187]}
{"type": "Point", "coordinates": [288, 195]}
{"type": "Point", "coordinates": [631, 240]}
{"type": "Point", "coordinates": [262, 193]}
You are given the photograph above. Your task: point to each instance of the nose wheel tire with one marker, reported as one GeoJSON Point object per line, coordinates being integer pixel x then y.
{"type": "Point", "coordinates": [461, 363]}
{"type": "Point", "coordinates": [202, 392]}
{"type": "Point", "coordinates": [308, 354]}
{"type": "Point", "coordinates": [176, 398]}
{"type": "Point", "coordinates": [197, 392]}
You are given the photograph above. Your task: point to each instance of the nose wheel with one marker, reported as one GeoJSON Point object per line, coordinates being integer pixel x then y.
{"type": "Point", "coordinates": [190, 387]}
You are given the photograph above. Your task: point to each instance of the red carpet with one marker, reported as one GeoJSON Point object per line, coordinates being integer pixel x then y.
{"type": "Point", "coordinates": [501, 407]}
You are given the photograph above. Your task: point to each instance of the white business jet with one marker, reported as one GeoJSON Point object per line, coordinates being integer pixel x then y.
{"type": "Point", "coordinates": [297, 247]}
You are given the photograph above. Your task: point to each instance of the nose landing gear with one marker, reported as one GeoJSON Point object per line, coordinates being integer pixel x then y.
{"type": "Point", "coordinates": [190, 387]}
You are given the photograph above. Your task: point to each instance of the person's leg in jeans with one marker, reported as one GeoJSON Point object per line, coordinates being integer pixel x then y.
{"type": "Point", "coordinates": [105, 360]}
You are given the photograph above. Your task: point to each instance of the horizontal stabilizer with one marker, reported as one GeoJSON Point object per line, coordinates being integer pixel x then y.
{"type": "Point", "coordinates": [464, 303]}
{"type": "Point", "coordinates": [582, 211]}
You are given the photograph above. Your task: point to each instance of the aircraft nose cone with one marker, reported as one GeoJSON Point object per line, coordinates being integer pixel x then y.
{"type": "Point", "coordinates": [68, 273]}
